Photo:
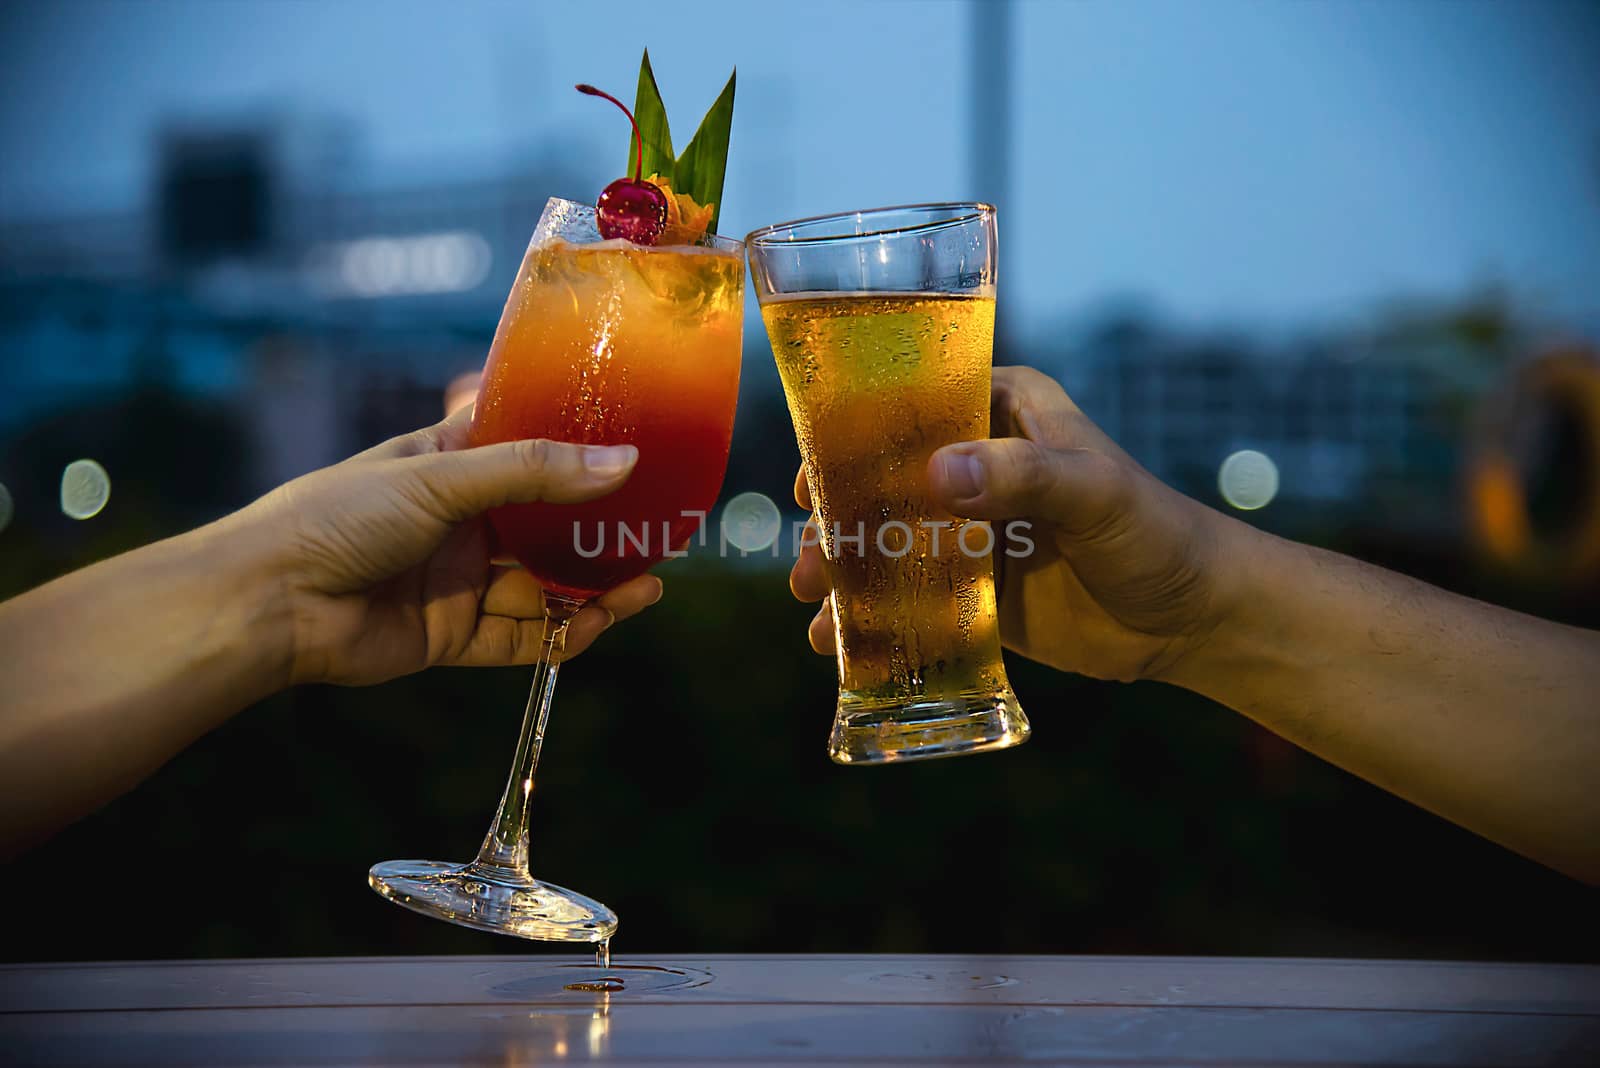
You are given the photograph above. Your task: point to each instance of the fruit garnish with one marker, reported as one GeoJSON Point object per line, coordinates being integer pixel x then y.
{"type": "Point", "coordinates": [687, 221]}
{"type": "Point", "coordinates": [630, 208]}
{"type": "Point", "coordinates": [697, 174]}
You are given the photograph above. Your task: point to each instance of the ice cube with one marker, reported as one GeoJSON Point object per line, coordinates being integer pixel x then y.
{"type": "Point", "coordinates": [567, 220]}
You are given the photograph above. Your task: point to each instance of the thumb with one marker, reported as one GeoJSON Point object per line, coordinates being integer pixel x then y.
{"type": "Point", "coordinates": [455, 486]}
{"type": "Point", "coordinates": [1013, 478]}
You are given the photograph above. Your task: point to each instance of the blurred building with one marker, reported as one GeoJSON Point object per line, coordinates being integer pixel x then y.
{"type": "Point", "coordinates": [1353, 425]}
{"type": "Point", "coordinates": [330, 316]}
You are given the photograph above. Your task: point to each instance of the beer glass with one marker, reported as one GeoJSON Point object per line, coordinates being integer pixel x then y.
{"type": "Point", "coordinates": [882, 325]}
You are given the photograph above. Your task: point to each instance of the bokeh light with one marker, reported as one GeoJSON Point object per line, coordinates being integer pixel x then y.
{"type": "Point", "coordinates": [85, 489]}
{"type": "Point", "coordinates": [413, 265]}
{"type": "Point", "coordinates": [1248, 480]}
{"type": "Point", "coordinates": [750, 522]}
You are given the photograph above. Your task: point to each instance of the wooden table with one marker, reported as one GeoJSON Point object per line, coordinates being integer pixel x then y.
{"type": "Point", "coordinates": [797, 1010]}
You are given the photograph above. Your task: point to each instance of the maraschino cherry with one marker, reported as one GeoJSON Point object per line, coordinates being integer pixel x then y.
{"type": "Point", "coordinates": [630, 208]}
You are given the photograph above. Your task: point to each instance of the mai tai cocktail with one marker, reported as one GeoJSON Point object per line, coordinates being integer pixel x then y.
{"type": "Point", "coordinates": [882, 325]}
{"type": "Point", "coordinates": [615, 343]}
{"type": "Point", "coordinates": [623, 327]}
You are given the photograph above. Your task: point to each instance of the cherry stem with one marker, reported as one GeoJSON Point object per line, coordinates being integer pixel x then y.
{"type": "Point", "coordinates": [638, 138]}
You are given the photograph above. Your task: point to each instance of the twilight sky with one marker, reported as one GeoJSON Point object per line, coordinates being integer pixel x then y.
{"type": "Point", "coordinates": [1267, 163]}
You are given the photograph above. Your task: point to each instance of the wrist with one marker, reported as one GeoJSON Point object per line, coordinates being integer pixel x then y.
{"type": "Point", "coordinates": [1235, 625]}
{"type": "Point", "coordinates": [255, 619]}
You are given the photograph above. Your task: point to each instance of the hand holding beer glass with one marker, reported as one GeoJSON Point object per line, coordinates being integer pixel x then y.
{"type": "Point", "coordinates": [882, 325]}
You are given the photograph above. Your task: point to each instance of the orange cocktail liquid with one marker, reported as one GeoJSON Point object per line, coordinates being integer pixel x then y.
{"type": "Point", "coordinates": [614, 344]}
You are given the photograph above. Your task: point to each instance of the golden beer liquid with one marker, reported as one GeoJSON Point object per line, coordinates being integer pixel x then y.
{"type": "Point", "coordinates": [876, 382]}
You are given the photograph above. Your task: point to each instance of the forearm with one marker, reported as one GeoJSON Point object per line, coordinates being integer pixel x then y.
{"type": "Point", "coordinates": [1484, 716]}
{"type": "Point", "coordinates": [111, 670]}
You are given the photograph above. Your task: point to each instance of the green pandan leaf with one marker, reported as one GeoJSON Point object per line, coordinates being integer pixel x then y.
{"type": "Point", "coordinates": [704, 162]}
{"type": "Point", "coordinates": [651, 114]}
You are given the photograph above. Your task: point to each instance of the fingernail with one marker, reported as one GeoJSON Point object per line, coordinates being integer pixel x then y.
{"type": "Point", "coordinates": [963, 475]}
{"type": "Point", "coordinates": [660, 589]}
{"type": "Point", "coordinates": [608, 461]}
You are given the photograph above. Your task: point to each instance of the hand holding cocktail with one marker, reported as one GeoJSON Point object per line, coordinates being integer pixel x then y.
{"type": "Point", "coordinates": [421, 590]}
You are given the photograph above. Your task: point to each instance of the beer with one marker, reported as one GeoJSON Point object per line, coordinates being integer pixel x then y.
{"type": "Point", "coordinates": [882, 324]}
{"type": "Point", "coordinates": [876, 382]}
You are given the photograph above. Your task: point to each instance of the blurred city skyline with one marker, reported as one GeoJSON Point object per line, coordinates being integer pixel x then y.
{"type": "Point", "coordinates": [1276, 165]}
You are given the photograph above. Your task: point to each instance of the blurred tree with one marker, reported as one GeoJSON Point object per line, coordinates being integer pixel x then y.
{"type": "Point", "coordinates": [685, 784]}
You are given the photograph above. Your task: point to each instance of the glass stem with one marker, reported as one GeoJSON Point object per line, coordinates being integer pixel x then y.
{"type": "Point", "coordinates": [505, 848]}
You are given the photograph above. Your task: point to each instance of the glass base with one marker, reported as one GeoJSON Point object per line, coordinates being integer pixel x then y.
{"type": "Point", "coordinates": [866, 732]}
{"type": "Point", "coordinates": [493, 899]}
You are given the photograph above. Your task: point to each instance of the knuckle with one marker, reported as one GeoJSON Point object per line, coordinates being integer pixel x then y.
{"type": "Point", "coordinates": [522, 641]}
{"type": "Point", "coordinates": [404, 444]}
{"type": "Point", "coordinates": [1032, 376]}
{"type": "Point", "coordinates": [536, 454]}
{"type": "Point", "coordinates": [428, 439]}
{"type": "Point", "coordinates": [1031, 469]}
{"type": "Point", "coordinates": [1105, 466]}
{"type": "Point", "coordinates": [1110, 485]}
{"type": "Point", "coordinates": [415, 443]}
{"type": "Point", "coordinates": [1108, 475]}
{"type": "Point", "coordinates": [1034, 381]}
{"type": "Point", "coordinates": [428, 488]}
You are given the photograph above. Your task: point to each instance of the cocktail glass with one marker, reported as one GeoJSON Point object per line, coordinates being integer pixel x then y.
{"type": "Point", "coordinates": [603, 343]}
